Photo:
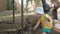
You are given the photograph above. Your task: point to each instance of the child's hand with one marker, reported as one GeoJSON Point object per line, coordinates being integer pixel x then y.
{"type": "Point", "coordinates": [34, 28]}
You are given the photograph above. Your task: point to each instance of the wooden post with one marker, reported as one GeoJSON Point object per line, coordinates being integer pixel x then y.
{"type": "Point", "coordinates": [13, 13]}
{"type": "Point", "coordinates": [22, 14]}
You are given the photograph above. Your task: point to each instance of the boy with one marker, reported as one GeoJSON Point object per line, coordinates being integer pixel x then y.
{"type": "Point", "coordinates": [45, 20]}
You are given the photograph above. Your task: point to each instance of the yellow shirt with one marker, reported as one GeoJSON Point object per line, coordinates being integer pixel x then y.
{"type": "Point", "coordinates": [45, 23]}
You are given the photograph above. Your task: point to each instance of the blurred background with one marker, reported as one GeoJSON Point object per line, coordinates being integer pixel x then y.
{"type": "Point", "coordinates": [11, 15]}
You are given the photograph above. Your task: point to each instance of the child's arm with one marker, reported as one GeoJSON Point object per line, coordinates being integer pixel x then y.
{"type": "Point", "coordinates": [50, 19]}
{"type": "Point", "coordinates": [37, 24]}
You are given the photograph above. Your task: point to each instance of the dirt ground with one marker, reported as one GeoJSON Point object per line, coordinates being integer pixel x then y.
{"type": "Point", "coordinates": [5, 24]}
